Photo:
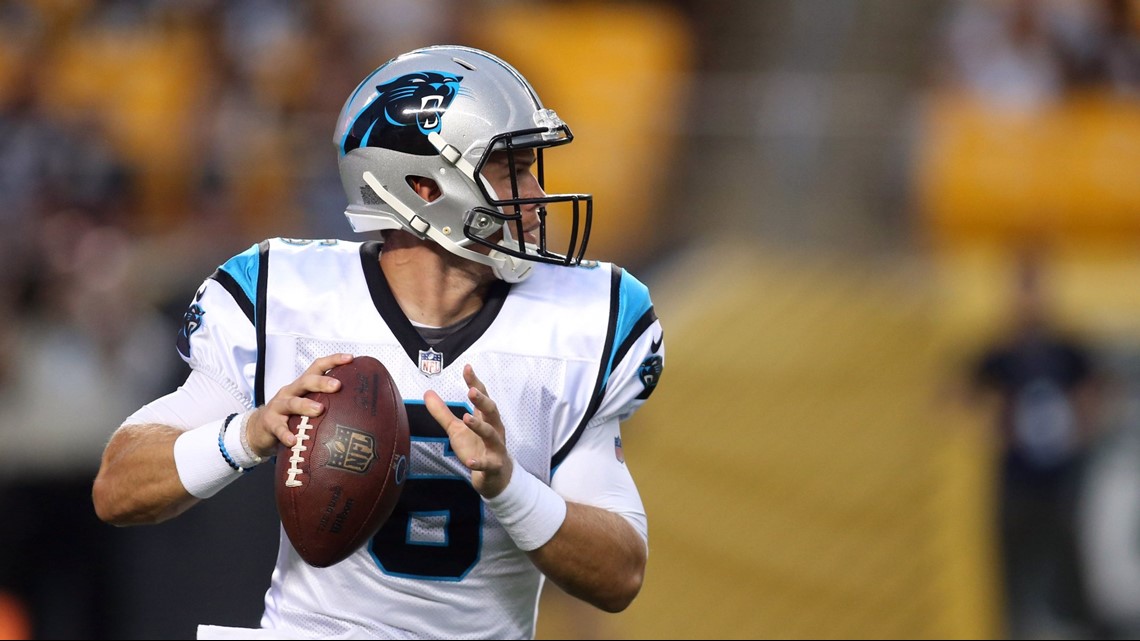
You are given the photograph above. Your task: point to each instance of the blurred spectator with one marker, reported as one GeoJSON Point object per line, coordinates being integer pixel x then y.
{"type": "Point", "coordinates": [1027, 53]}
{"type": "Point", "coordinates": [84, 350]}
{"type": "Point", "coordinates": [1098, 44]}
{"type": "Point", "coordinates": [1045, 391]}
{"type": "Point", "coordinates": [76, 342]}
{"type": "Point", "coordinates": [1004, 52]}
{"type": "Point", "coordinates": [1110, 509]}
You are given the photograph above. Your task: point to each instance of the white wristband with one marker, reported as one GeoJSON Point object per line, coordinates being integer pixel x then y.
{"type": "Point", "coordinates": [200, 465]}
{"type": "Point", "coordinates": [237, 444]}
{"type": "Point", "coordinates": [529, 510]}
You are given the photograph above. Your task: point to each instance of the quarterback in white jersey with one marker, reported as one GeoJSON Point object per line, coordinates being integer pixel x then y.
{"type": "Point", "coordinates": [516, 364]}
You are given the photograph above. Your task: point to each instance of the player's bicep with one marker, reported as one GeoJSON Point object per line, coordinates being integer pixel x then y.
{"type": "Point", "coordinates": [594, 473]}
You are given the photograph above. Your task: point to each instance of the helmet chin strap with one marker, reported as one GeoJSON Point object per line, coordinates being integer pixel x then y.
{"type": "Point", "coordinates": [510, 268]}
{"type": "Point", "coordinates": [503, 266]}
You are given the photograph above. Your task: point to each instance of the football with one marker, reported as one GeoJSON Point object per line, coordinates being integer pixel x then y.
{"type": "Point", "coordinates": [338, 485]}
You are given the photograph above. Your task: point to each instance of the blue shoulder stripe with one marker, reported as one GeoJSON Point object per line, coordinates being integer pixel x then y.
{"type": "Point", "coordinates": [633, 306]}
{"type": "Point", "coordinates": [246, 278]}
{"type": "Point", "coordinates": [244, 270]}
{"type": "Point", "coordinates": [642, 324]}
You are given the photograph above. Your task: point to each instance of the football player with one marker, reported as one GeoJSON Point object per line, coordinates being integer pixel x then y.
{"type": "Point", "coordinates": [517, 362]}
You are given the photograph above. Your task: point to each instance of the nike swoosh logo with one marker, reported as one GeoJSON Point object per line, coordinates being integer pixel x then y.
{"type": "Point", "coordinates": [656, 345]}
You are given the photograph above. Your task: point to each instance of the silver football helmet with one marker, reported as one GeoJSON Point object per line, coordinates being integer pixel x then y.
{"type": "Point", "coordinates": [439, 112]}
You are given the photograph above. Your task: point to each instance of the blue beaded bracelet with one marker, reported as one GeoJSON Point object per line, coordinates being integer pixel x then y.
{"type": "Point", "coordinates": [222, 445]}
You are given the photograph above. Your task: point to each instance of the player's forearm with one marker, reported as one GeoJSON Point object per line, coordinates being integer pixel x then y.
{"type": "Point", "coordinates": [137, 482]}
{"type": "Point", "coordinates": [595, 556]}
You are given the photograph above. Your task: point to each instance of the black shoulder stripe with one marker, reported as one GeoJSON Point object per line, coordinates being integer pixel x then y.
{"type": "Point", "coordinates": [642, 324]}
{"type": "Point", "coordinates": [261, 313]}
{"type": "Point", "coordinates": [227, 281]}
{"type": "Point", "coordinates": [603, 366]}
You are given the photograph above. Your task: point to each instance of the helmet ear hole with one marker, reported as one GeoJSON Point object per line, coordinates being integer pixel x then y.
{"type": "Point", "coordinates": [425, 188]}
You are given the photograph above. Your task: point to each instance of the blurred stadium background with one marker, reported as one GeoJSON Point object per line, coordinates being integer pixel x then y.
{"type": "Point", "coordinates": [828, 198]}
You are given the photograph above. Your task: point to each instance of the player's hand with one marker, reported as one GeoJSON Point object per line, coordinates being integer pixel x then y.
{"type": "Point", "coordinates": [269, 424]}
{"type": "Point", "coordinates": [479, 440]}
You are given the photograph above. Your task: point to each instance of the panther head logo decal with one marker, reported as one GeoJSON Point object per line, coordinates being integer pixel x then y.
{"type": "Point", "coordinates": [403, 113]}
{"type": "Point", "coordinates": [650, 374]}
{"type": "Point", "coordinates": [191, 321]}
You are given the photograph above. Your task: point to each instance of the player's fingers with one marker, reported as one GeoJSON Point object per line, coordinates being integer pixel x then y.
{"type": "Point", "coordinates": [485, 430]}
{"type": "Point", "coordinates": [490, 457]}
{"type": "Point", "coordinates": [284, 434]}
{"type": "Point", "coordinates": [325, 363]}
{"type": "Point", "coordinates": [313, 378]}
{"type": "Point", "coordinates": [315, 383]}
{"type": "Point", "coordinates": [488, 410]}
{"type": "Point", "coordinates": [485, 404]}
{"type": "Point", "coordinates": [463, 443]}
{"type": "Point", "coordinates": [266, 428]}
{"type": "Point", "coordinates": [476, 464]}
{"type": "Point", "coordinates": [472, 379]}
{"type": "Point", "coordinates": [303, 406]}
{"type": "Point", "coordinates": [440, 412]}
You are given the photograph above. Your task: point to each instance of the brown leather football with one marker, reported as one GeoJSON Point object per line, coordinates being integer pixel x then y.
{"type": "Point", "coordinates": [338, 485]}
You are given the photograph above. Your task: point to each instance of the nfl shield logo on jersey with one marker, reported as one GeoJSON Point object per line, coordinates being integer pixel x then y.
{"type": "Point", "coordinates": [431, 362]}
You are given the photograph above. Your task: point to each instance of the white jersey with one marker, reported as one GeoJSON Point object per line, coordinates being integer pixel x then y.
{"type": "Point", "coordinates": [567, 349]}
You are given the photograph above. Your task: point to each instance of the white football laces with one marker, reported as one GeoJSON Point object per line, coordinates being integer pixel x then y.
{"type": "Point", "coordinates": [298, 457]}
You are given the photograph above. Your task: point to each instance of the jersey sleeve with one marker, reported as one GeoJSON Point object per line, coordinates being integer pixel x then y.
{"type": "Point", "coordinates": [595, 473]}
{"type": "Point", "coordinates": [630, 364]}
{"type": "Point", "coordinates": [637, 353]}
{"type": "Point", "coordinates": [219, 336]}
{"type": "Point", "coordinates": [197, 401]}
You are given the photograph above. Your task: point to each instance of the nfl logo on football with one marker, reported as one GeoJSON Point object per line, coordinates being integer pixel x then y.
{"type": "Point", "coordinates": [431, 362]}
